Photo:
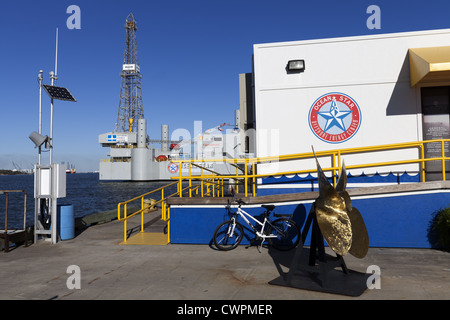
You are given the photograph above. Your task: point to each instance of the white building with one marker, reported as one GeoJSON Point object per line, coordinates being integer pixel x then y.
{"type": "Point", "coordinates": [353, 92]}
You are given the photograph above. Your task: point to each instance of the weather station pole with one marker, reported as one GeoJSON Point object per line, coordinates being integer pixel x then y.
{"type": "Point", "coordinates": [53, 199]}
{"type": "Point", "coordinates": [49, 180]}
{"type": "Point", "coordinates": [53, 78]}
{"type": "Point", "coordinates": [40, 78]}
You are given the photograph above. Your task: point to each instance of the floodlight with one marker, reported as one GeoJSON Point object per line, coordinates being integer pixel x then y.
{"type": "Point", "coordinates": [38, 139]}
{"type": "Point", "coordinates": [296, 66]}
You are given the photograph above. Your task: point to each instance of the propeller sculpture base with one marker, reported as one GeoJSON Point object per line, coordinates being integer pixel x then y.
{"type": "Point", "coordinates": [313, 269]}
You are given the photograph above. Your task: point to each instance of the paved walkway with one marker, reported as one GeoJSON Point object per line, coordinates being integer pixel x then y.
{"type": "Point", "coordinates": [197, 272]}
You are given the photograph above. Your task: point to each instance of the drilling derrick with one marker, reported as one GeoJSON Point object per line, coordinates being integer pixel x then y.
{"type": "Point", "coordinates": [132, 155]}
{"type": "Point", "coordinates": [130, 104]}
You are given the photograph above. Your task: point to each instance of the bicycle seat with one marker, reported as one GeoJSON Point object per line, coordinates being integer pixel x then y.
{"type": "Point", "coordinates": [268, 207]}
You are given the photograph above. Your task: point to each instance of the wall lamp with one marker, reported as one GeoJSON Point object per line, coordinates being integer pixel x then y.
{"type": "Point", "coordinates": [295, 66]}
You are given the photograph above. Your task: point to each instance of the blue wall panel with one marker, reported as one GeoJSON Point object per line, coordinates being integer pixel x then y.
{"type": "Point", "coordinates": [197, 224]}
{"type": "Point", "coordinates": [400, 221]}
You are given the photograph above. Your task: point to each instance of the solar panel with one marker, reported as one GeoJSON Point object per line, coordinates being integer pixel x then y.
{"type": "Point", "coordinates": [58, 93]}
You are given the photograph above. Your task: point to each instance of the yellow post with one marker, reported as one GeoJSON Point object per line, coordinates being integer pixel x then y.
{"type": "Point", "coordinates": [339, 158]}
{"type": "Point", "coordinates": [164, 210]}
{"type": "Point", "coordinates": [339, 163]}
{"type": "Point", "coordinates": [142, 214]}
{"type": "Point", "coordinates": [180, 184]}
{"type": "Point", "coordinates": [201, 182]}
{"type": "Point", "coordinates": [422, 155]}
{"type": "Point", "coordinates": [237, 180]}
{"type": "Point", "coordinates": [125, 223]}
{"type": "Point", "coordinates": [443, 159]}
{"type": "Point", "coordinates": [163, 207]}
{"type": "Point", "coordinates": [245, 177]}
{"type": "Point", "coordinates": [168, 224]}
{"type": "Point", "coordinates": [254, 179]}
{"type": "Point", "coordinates": [190, 180]}
{"type": "Point", "coordinates": [333, 163]}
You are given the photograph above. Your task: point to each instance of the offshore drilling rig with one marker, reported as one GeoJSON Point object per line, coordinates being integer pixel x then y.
{"type": "Point", "coordinates": [131, 157]}
{"type": "Point", "coordinates": [130, 105]}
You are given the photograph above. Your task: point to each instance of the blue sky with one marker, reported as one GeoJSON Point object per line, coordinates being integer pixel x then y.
{"type": "Point", "coordinates": [190, 54]}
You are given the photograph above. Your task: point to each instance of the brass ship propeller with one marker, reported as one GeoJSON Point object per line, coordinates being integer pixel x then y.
{"type": "Point", "coordinates": [341, 224]}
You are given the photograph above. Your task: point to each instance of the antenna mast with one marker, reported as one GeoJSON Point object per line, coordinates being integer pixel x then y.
{"type": "Point", "coordinates": [130, 104]}
{"type": "Point", "coordinates": [56, 55]}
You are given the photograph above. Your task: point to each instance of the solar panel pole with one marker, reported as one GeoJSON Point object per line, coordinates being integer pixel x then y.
{"type": "Point", "coordinates": [40, 78]}
{"type": "Point", "coordinates": [53, 197]}
{"type": "Point", "coordinates": [53, 200]}
{"type": "Point", "coordinates": [37, 200]}
{"type": "Point", "coordinates": [50, 180]}
{"type": "Point", "coordinates": [56, 56]}
{"type": "Point", "coordinates": [53, 79]}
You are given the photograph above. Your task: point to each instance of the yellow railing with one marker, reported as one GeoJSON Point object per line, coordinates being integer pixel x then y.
{"type": "Point", "coordinates": [122, 208]}
{"type": "Point", "coordinates": [210, 183]}
{"type": "Point", "coordinates": [249, 178]}
{"type": "Point", "coordinates": [207, 185]}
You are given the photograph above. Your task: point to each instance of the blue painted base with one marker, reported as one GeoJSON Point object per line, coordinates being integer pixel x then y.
{"type": "Point", "coordinates": [398, 220]}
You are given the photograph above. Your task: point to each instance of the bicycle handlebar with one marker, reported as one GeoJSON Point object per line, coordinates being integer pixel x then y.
{"type": "Point", "coordinates": [238, 201]}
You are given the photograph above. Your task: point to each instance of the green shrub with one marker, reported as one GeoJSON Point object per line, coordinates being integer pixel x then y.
{"type": "Point", "coordinates": [439, 230]}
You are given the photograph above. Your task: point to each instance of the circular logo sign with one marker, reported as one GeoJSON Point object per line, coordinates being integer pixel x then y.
{"type": "Point", "coordinates": [334, 117]}
{"type": "Point", "coordinates": [173, 167]}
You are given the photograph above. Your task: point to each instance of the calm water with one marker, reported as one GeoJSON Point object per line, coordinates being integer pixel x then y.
{"type": "Point", "coordinates": [83, 190]}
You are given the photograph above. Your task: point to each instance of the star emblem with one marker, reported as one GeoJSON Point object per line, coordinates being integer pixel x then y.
{"type": "Point", "coordinates": [334, 117]}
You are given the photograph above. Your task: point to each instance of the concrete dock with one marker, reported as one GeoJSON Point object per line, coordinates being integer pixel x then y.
{"type": "Point", "coordinates": [108, 270]}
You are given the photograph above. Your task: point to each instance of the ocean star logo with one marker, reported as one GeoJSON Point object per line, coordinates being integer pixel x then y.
{"type": "Point", "coordinates": [334, 117]}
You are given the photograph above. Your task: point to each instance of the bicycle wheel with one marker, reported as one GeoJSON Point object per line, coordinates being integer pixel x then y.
{"type": "Point", "coordinates": [225, 238]}
{"type": "Point", "coordinates": [287, 232]}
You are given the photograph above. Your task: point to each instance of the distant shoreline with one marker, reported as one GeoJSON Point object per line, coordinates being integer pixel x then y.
{"type": "Point", "coordinates": [4, 172]}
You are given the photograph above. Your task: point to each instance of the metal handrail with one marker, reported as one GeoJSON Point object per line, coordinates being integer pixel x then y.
{"type": "Point", "coordinates": [6, 193]}
{"type": "Point", "coordinates": [5, 233]}
{"type": "Point", "coordinates": [336, 160]}
{"type": "Point", "coordinates": [125, 216]}
{"type": "Point", "coordinates": [165, 212]}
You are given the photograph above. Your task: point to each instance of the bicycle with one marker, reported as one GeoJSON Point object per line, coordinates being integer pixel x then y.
{"type": "Point", "coordinates": [282, 234]}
